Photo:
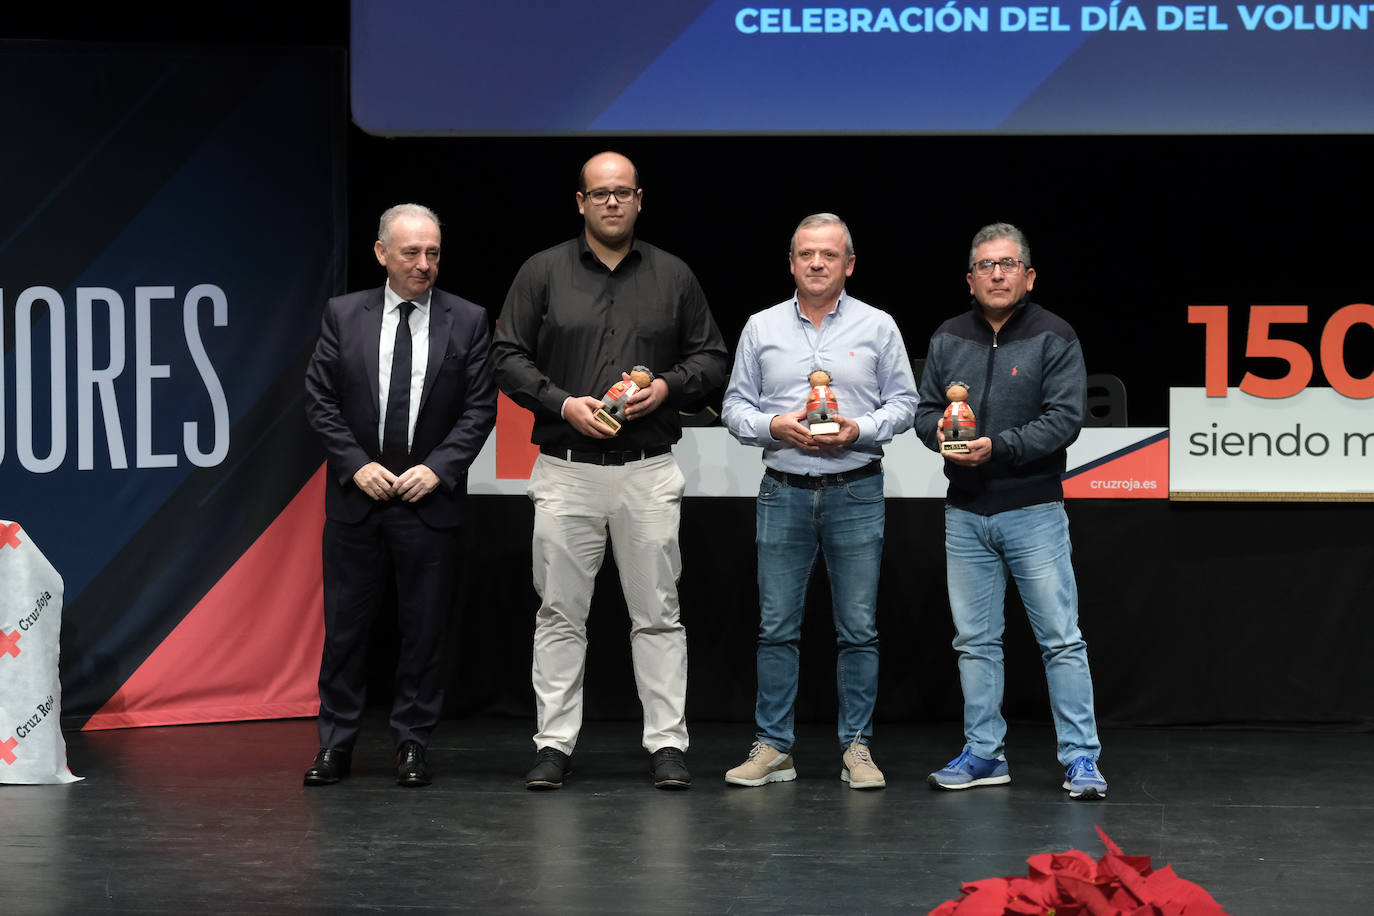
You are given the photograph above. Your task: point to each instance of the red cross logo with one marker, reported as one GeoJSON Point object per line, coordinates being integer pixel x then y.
{"type": "Point", "coordinates": [7, 751]}
{"type": "Point", "coordinates": [9, 643]}
{"type": "Point", "coordinates": [9, 535]}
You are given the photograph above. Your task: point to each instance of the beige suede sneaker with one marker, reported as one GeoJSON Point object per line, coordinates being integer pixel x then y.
{"type": "Point", "coordinates": [765, 764]}
{"type": "Point", "coordinates": [859, 769]}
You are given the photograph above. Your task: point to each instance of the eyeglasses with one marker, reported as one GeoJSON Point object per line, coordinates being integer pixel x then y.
{"type": "Point", "coordinates": [1010, 266]}
{"type": "Point", "coordinates": [601, 195]}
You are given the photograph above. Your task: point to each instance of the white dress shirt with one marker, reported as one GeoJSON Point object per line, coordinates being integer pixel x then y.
{"type": "Point", "coordinates": [419, 357]}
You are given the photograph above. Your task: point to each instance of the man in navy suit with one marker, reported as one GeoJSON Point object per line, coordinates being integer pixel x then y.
{"type": "Point", "coordinates": [400, 393]}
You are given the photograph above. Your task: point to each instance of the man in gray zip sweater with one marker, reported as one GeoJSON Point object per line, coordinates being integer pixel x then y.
{"type": "Point", "coordinates": [1004, 512]}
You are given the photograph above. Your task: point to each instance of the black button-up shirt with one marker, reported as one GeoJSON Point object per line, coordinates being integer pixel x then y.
{"type": "Point", "coordinates": [570, 326]}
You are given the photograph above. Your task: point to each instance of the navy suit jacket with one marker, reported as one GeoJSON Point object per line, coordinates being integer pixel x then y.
{"type": "Point", "coordinates": [457, 402]}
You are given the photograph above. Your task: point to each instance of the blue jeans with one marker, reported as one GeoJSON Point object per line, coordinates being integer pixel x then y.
{"type": "Point", "coordinates": [1033, 545]}
{"type": "Point", "coordinates": [846, 523]}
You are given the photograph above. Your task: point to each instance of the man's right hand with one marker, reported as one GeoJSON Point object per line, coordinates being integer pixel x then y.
{"type": "Point", "coordinates": [580, 414]}
{"type": "Point", "coordinates": [787, 427]}
{"type": "Point", "coordinates": [375, 480]}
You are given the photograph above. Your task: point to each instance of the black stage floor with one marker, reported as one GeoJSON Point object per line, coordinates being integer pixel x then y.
{"type": "Point", "coordinates": [213, 818]}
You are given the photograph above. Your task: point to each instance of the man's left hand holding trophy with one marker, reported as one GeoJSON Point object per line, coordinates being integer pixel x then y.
{"type": "Point", "coordinates": [824, 427]}
{"type": "Point", "coordinates": [629, 397]}
{"type": "Point", "coordinates": [616, 403]}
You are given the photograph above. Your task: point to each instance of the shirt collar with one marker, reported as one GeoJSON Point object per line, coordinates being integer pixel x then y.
{"type": "Point", "coordinates": [1017, 308]}
{"type": "Point", "coordinates": [839, 305]}
{"type": "Point", "coordinates": [585, 253]}
{"type": "Point", "coordinates": [391, 300]}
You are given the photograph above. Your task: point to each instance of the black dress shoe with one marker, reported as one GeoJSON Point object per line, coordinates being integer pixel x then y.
{"type": "Point", "coordinates": [548, 773]}
{"type": "Point", "coordinates": [669, 768]}
{"type": "Point", "coordinates": [331, 765]}
{"type": "Point", "coordinates": [411, 770]}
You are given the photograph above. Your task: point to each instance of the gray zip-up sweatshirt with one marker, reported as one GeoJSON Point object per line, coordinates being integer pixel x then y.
{"type": "Point", "coordinates": [1027, 389]}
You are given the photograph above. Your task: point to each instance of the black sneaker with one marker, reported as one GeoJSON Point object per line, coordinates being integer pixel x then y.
{"type": "Point", "coordinates": [669, 768]}
{"type": "Point", "coordinates": [548, 773]}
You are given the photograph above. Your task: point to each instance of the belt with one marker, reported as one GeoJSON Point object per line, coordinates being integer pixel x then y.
{"type": "Point", "coordinates": [604, 458]}
{"type": "Point", "coordinates": [821, 481]}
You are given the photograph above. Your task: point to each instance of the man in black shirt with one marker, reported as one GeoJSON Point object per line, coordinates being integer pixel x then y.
{"type": "Point", "coordinates": [578, 316]}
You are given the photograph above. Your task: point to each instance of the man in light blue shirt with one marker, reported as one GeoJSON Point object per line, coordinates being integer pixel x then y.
{"type": "Point", "coordinates": [819, 490]}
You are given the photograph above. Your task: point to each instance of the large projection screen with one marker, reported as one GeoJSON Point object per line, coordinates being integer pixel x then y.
{"type": "Point", "coordinates": [439, 67]}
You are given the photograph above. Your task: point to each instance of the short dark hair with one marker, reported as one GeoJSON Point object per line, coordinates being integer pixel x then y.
{"type": "Point", "coordinates": [994, 231]}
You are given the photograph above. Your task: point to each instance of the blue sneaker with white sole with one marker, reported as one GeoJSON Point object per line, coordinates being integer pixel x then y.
{"type": "Point", "coordinates": [1084, 780]}
{"type": "Point", "coordinates": [968, 771]}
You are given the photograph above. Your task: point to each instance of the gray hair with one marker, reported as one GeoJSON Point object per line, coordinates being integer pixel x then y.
{"type": "Point", "coordinates": [393, 213]}
{"type": "Point", "coordinates": [823, 219]}
{"type": "Point", "coordinates": [995, 231]}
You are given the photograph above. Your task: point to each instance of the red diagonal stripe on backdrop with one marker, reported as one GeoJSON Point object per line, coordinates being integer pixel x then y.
{"type": "Point", "coordinates": [251, 648]}
{"type": "Point", "coordinates": [7, 751]}
{"type": "Point", "coordinates": [1140, 473]}
{"type": "Point", "coordinates": [9, 643]}
{"type": "Point", "coordinates": [515, 454]}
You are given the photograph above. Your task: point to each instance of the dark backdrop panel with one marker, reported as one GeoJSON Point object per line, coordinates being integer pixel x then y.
{"type": "Point", "coordinates": [165, 167]}
{"type": "Point", "coordinates": [1126, 232]}
{"type": "Point", "coordinates": [1194, 615]}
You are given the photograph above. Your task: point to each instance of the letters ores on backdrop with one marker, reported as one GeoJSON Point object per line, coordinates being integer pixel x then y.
{"type": "Point", "coordinates": [32, 750]}
{"type": "Point", "coordinates": [96, 315]}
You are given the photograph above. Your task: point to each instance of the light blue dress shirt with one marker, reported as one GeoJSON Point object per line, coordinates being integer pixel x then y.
{"type": "Point", "coordinates": [870, 373]}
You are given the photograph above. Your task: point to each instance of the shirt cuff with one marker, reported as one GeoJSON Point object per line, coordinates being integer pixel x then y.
{"type": "Point", "coordinates": [674, 382]}
{"type": "Point", "coordinates": [763, 429]}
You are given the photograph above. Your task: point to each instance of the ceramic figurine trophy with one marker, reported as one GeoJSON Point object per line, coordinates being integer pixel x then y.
{"type": "Point", "coordinates": [820, 405]}
{"type": "Point", "coordinates": [958, 424]}
{"type": "Point", "coordinates": [611, 413]}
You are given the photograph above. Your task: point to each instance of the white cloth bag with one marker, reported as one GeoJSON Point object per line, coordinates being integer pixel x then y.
{"type": "Point", "coordinates": [32, 750]}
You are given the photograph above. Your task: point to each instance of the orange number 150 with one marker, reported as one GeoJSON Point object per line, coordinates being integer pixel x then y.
{"type": "Point", "coordinates": [1261, 342]}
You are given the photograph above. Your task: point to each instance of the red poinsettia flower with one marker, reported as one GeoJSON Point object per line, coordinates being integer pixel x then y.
{"type": "Point", "coordinates": [1072, 884]}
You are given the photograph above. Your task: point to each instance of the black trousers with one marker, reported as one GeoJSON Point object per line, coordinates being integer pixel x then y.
{"type": "Point", "coordinates": [390, 548]}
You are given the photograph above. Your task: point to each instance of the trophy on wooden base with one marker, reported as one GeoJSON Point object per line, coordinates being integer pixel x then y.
{"type": "Point", "coordinates": [820, 405]}
{"type": "Point", "coordinates": [958, 424]}
{"type": "Point", "coordinates": [611, 413]}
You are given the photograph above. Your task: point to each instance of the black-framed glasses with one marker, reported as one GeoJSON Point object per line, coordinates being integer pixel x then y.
{"type": "Point", "coordinates": [599, 196]}
{"type": "Point", "coordinates": [1010, 266]}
